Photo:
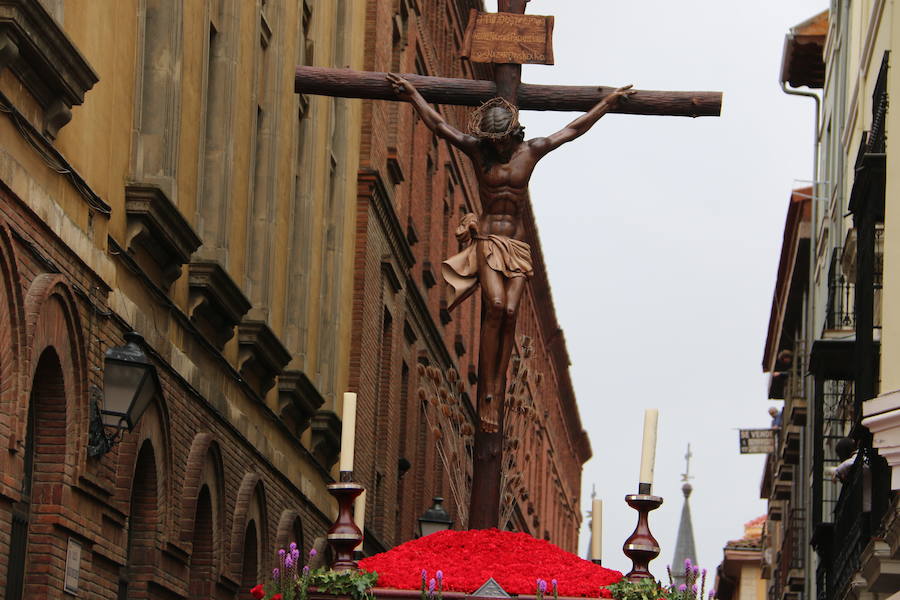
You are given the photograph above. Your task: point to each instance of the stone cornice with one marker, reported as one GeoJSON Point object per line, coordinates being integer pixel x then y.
{"type": "Point", "coordinates": [298, 399]}
{"type": "Point", "coordinates": [216, 300]}
{"type": "Point", "coordinates": [40, 54]}
{"type": "Point", "coordinates": [326, 438]}
{"type": "Point", "coordinates": [261, 356]}
{"type": "Point", "coordinates": [156, 226]}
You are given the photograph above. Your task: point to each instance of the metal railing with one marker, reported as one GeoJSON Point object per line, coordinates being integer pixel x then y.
{"type": "Point", "coordinates": [839, 310]}
{"type": "Point", "coordinates": [860, 508]}
{"type": "Point", "coordinates": [792, 546]}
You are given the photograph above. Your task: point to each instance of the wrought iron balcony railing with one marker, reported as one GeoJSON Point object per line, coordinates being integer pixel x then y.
{"type": "Point", "coordinates": [862, 504]}
{"type": "Point", "coordinates": [839, 310]}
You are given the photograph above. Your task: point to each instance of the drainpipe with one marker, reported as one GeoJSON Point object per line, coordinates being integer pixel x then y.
{"type": "Point", "coordinates": [813, 219]}
{"type": "Point", "coordinates": [811, 394]}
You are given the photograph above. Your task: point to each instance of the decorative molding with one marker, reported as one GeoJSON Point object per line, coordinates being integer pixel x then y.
{"type": "Point", "coordinates": [261, 355]}
{"type": "Point", "coordinates": [459, 344]}
{"type": "Point", "coordinates": [157, 229]}
{"type": "Point", "coordinates": [298, 400]}
{"type": "Point", "coordinates": [882, 417]}
{"type": "Point", "coordinates": [428, 277]}
{"type": "Point", "coordinates": [372, 186]}
{"type": "Point", "coordinates": [395, 171]}
{"type": "Point", "coordinates": [444, 314]}
{"type": "Point", "coordinates": [326, 437]}
{"type": "Point", "coordinates": [216, 302]}
{"type": "Point", "coordinates": [40, 54]}
{"type": "Point", "coordinates": [412, 238]}
{"type": "Point", "coordinates": [390, 273]}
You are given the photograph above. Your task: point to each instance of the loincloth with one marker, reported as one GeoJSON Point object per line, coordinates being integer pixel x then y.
{"type": "Point", "coordinates": [509, 257]}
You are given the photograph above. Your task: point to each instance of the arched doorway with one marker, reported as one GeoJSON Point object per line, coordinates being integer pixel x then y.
{"type": "Point", "coordinates": [143, 524]}
{"type": "Point", "coordinates": [45, 455]}
{"type": "Point", "coordinates": [202, 553]}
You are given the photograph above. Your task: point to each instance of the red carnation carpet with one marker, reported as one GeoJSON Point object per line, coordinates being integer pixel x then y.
{"type": "Point", "coordinates": [468, 558]}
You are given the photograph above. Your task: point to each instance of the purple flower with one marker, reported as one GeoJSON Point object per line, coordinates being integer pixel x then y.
{"type": "Point", "coordinates": [704, 572]}
{"type": "Point", "coordinates": [275, 573]}
{"type": "Point", "coordinates": [696, 570]}
{"type": "Point", "coordinates": [295, 555]}
{"type": "Point", "coordinates": [288, 562]}
{"type": "Point", "coordinates": [712, 594]}
{"type": "Point", "coordinates": [439, 575]}
{"type": "Point", "coordinates": [313, 552]}
{"type": "Point", "coordinates": [431, 585]}
{"type": "Point", "coordinates": [682, 588]}
{"type": "Point", "coordinates": [694, 589]}
{"type": "Point", "coordinates": [281, 553]}
{"type": "Point", "coordinates": [542, 585]}
{"type": "Point", "coordinates": [305, 570]}
{"type": "Point", "coordinates": [424, 575]}
{"type": "Point", "coordinates": [688, 564]}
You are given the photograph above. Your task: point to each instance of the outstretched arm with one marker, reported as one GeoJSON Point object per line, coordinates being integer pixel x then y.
{"type": "Point", "coordinates": [580, 126]}
{"type": "Point", "coordinates": [435, 122]}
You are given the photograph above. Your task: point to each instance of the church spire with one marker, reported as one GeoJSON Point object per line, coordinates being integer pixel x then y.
{"type": "Point", "coordinates": [684, 544]}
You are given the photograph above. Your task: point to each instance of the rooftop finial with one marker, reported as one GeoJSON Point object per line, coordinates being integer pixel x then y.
{"type": "Point", "coordinates": [686, 476]}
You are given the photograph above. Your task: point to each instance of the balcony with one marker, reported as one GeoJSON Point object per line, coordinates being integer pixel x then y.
{"type": "Point", "coordinates": [784, 478]}
{"type": "Point", "coordinates": [789, 449]}
{"type": "Point", "coordinates": [862, 504]}
{"type": "Point", "coordinates": [839, 310]}
{"type": "Point", "coordinates": [791, 558]}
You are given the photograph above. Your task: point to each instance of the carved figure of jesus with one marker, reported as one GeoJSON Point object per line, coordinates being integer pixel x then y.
{"type": "Point", "coordinates": [497, 258]}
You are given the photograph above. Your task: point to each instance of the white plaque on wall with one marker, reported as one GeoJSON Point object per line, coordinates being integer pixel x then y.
{"type": "Point", "coordinates": [73, 567]}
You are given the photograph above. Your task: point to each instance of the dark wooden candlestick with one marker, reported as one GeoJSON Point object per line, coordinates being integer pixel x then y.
{"type": "Point", "coordinates": [641, 547]}
{"type": "Point", "coordinates": [344, 535]}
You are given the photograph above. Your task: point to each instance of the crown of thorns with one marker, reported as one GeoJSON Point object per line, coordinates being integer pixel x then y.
{"type": "Point", "coordinates": [477, 116]}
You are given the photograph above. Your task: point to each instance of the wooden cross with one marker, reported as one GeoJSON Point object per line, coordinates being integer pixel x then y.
{"type": "Point", "coordinates": [485, 501]}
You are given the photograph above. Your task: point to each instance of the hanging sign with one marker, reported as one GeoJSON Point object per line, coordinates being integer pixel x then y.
{"type": "Point", "coordinates": [757, 441]}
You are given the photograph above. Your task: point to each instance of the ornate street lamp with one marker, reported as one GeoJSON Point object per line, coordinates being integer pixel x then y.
{"type": "Point", "coordinates": [434, 519]}
{"type": "Point", "coordinates": [130, 383]}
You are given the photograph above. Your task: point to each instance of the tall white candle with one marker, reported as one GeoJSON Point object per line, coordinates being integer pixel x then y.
{"type": "Point", "coordinates": [359, 511]}
{"type": "Point", "coordinates": [348, 431]}
{"type": "Point", "coordinates": [648, 450]}
{"type": "Point", "coordinates": [597, 529]}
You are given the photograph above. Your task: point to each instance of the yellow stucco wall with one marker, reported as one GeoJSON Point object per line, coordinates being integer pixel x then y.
{"type": "Point", "coordinates": [99, 142]}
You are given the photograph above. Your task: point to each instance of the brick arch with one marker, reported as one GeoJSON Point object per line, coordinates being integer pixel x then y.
{"type": "Point", "coordinates": [52, 321]}
{"type": "Point", "coordinates": [202, 579]}
{"type": "Point", "coordinates": [44, 481]}
{"type": "Point", "coordinates": [204, 467]}
{"type": "Point", "coordinates": [12, 322]}
{"type": "Point", "coordinates": [250, 503]}
{"type": "Point", "coordinates": [290, 529]}
{"type": "Point", "coordinates": [144, 525]}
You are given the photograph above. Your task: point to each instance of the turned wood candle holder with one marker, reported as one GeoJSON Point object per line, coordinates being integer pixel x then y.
{"type": "Point", "coordinates": [641, 547]}
{"type": "Point", "coordinates": [344, 535]}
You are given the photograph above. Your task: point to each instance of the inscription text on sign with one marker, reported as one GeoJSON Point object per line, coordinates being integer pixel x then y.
{"type": "Point", "coordinates": [509, 38]}
{"type": "Point", "coordinates": [757, 441]}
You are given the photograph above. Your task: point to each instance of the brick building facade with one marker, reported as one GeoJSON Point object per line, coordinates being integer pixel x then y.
{"type": "Point", "coordinates": [158, 174]}
{"type": "Point", "coordinates": [413, 190]}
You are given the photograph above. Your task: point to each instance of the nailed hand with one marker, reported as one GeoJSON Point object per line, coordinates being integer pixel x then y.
{"type": "Point", "coordinates": [403, 88]}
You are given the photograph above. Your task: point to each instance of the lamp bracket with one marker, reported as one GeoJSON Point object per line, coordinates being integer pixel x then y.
{"type": "Point", "coordinates": [100, 441]}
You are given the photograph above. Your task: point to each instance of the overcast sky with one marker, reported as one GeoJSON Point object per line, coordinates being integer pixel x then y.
{"type": "Point", "coordinates": [661, 236]}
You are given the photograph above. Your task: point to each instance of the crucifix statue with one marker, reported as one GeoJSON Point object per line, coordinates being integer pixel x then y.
{"type": "Point", "coordinates": [497, 258]}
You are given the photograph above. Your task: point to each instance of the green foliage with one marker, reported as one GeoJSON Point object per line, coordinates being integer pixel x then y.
{"type": "Point", "coordinates": [642, 589]}
{"type": "Point", "coordinates": [356, 584]}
